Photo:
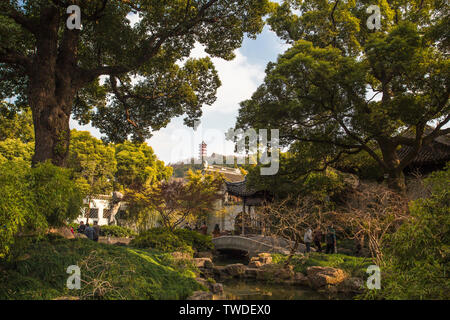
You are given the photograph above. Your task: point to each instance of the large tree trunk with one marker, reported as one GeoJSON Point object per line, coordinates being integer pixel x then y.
{"type": "Point", "coordinates": [51, 91]}
{"type": "Point", "coordinates": [52, 133]}
{"type": "Point", "coordinates": [396, 178]}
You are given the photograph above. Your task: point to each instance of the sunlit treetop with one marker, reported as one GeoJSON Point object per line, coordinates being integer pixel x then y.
{"type": "Point", "coordinates": [147, 75]}
{"type": "Point", "coordinates": [344, 88]}
{"type": "Point", "coordinates": [343, 23]}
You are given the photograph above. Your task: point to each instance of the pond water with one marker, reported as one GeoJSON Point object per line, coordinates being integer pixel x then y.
{"type": "Point", "coordinates": [253, 290]}
{"type": "Point", "coordinates": [245, 289]}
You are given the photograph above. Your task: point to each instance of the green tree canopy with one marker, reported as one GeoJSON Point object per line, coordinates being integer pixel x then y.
{"type": "Point", "coordinates": [16, 150]}
{"type": "Point", "coordinates": [138, 166]}
{"type": "Point", "coordinates": [16, 133]}
{"type": "Point", "coordinates": [93, 162]}
{"type": "Point", "coordinates": [175, 202]}
{"type": "Point", "coordinates": [347, 89]}
{"type": "Point", "coordinates": [295, 178]}
{"type": "Point", "coordinates": [15, 123]}
{"type": "Point", "coordinates": [56, 70]}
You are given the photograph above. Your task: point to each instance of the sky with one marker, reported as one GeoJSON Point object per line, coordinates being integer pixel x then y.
{"type": "Point", "coordinates": [240, 78]}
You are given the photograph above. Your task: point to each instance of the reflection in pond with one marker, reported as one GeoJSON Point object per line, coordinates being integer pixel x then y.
{"type": "Point", "coordinates": [252, 290]}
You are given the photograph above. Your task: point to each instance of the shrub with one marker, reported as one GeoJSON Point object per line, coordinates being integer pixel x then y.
{"type": "Point", "coordinates": [57, 197]}
{"type": "Point", "coordinates": [116, 231]}
{"type": "Point", "coordinates": [178, 240]}
{"type": "Point", "coordinates": [16, 204]}
{"type": "Point", "coordinates": [417, 256]}
{"type": "Point", "coordinates": [199, 242]}
{"type": "Point", "coordinates": [33, 199]}
{"type": "Point", "coordinates": [162, 240]}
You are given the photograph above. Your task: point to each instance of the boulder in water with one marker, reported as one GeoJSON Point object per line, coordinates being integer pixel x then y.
{"type": "Point", "coordinates": [235, 270]}
{"type": "Point", "coordinates": [203, 263]}
{"type": "Point", "coordinates": [325, 276]}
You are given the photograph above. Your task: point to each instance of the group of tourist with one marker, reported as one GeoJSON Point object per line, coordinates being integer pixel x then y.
{"type": "Point", "coordinates": [317, 238]}
{"type": "Point", "coordinates": [91, 232]}
{"type": "Point", "coordinates": [309, 237]}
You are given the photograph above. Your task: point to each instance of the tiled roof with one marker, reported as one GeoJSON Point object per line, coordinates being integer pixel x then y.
{"type": "Point", "coordinates": [430, 154]}
{"type": "Point", "coordinates": [233, 177]}
{"type": "Point", "coordinates": [239, 189]}
{"type": "Point", "coordinates": [436, 152]}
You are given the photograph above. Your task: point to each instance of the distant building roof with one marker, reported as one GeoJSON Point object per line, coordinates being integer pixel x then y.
{"type": "Point", "coordinates": [252, 196]}
{"type": "Point", "coordinates": [437, 152]}
{"type": "Point", "coordinates": [230, 174]}
{"type": "Point", "coordinates": [239, 189]}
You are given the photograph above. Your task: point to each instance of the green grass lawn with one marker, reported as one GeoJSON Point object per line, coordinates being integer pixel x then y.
{"type": "Point", "coordinates": [354, 266]}
{"type": "Point", "coordinates": [37, 270]}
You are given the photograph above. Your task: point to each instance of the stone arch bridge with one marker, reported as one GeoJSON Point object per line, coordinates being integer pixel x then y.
{"type": "Point", "coordinates": [253, 244]}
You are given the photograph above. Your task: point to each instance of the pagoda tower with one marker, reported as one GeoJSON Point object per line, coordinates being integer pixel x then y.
{"type": "Point", "coordinates": [202, 152]}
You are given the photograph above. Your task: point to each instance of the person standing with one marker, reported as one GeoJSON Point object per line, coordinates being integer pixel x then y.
{"type": "Point", "coordinates": [204, 228]}
{"type": "Point", "coordinates": [216, 232]}
{"type": "Point", "coordinates": [89, 231]}
{"type": "Point", "coordinates": [81, 227]}
{"type": "Point", "coordinates": [96, 228]}
{"type": "Point", "coordinates": [308, 239]}
{"type": "Point", "coordinates": [317, 238]}
{"type": "Point", "coordinates": [331, 240]}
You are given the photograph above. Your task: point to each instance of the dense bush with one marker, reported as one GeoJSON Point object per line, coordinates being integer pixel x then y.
{"type": "Point", "coordinates": [16, 204]}
{"type": "Point", "coordinates": [179, 240]}
{"type": "Point", "coordinates": [162, 240]}
{"type": "Point", "coordinates": [417, 256]}
{"type": "Point", "coordinates": [33, 199]}
{"type": "Point", "coordinates": [57, 197]}
{"type": "Point", "coordinates": [116, 231]}
{"type": "Point", "coordinates": [199, 242]}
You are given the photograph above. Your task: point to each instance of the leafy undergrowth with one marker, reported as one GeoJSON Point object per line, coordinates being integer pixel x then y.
{"type": "Point", "coordinates": [354, 266]}
{"type": "Point", "coordinates": [116, 231]}
{"type": "Point", "coordinates": [37, 270]}
{"type": "Point", "coordinates": [178, 240]}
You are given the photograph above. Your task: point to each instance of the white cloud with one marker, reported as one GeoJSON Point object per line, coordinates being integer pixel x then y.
{"type": "Point", "coordinates": [177, 142]}
{"type": "Point", "coordinates": [239, 78]}
{"type": "Point", "coordinates": [94, 131]}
